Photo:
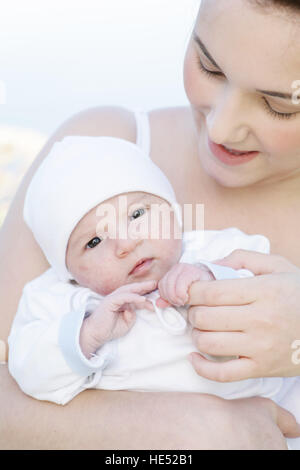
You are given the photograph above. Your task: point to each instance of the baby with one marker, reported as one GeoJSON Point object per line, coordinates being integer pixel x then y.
{"type": "Point", "coordinates": [94, 318]}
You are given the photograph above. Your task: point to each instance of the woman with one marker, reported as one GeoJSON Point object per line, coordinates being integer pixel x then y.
{"type": "Point", "coordinates": [238, 150]}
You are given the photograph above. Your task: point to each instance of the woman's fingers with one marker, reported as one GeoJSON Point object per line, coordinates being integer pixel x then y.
{"type": "Point", "coordinates": [223, 292]}
{"type": "Point", "coordinates": [257, 263]}
{"type": "Point", "coordinates": [232, 318]}
{"type": "Point", "coordinates": [222, 344]}
{"type": "Point", "coordinates": [230, 371]}
{"type": "Point", "coordinates": [285, 420]}
{"type": "Point", "coordinates": [287, 423]}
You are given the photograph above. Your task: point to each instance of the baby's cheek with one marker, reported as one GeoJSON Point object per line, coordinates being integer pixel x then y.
{"type": "Point", "coordinates": [80, 274]}
{"type": "Point", "coordinates": [89, 276]}
{"type": "Point", "coordinates": [172, 251]}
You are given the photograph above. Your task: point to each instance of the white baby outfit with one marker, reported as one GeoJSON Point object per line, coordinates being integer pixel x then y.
{"type": "Point", "coordinates": [45, 356]}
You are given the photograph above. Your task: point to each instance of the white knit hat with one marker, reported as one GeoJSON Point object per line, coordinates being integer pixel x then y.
{"type": "Point", "coordinates": [78, 174]}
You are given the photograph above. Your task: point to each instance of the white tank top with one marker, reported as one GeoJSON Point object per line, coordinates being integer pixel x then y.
{"type": "Point", "coordinates": [143, 133]}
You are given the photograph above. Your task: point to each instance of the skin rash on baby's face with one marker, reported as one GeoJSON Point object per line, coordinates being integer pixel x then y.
{"type": "Point", "coordinates": [112, 238]}
{"type": "Point", "coordinates": [239, 61]}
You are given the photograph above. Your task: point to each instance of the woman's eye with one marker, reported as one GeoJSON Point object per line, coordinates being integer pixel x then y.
{"type": "Point", "coordinates": [137, 213]}
{"type": "Point", "coordinates": [276, 114]}
{"type": "Point", "coordinates": [210, 73]}
{"type": "Point", "coordinates": [94, 242]}
{"type": "Point", "coordinates": [218, 74]}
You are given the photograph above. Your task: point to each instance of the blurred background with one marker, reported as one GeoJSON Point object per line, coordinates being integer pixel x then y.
{"type": "Point", "coordinates": [59, 57]}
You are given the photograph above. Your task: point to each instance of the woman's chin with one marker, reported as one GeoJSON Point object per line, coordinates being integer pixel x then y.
{"type": "Point", "coordinates": [229, 177]}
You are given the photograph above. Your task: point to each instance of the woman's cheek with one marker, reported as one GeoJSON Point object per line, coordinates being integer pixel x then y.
{"type": "Point", "coordinates": [281, 141]}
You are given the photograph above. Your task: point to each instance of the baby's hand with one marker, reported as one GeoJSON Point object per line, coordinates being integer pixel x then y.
{"type": "Point", "coordinates": [114, 316]}
{"type": "Point", "coordinates": [174, 286]}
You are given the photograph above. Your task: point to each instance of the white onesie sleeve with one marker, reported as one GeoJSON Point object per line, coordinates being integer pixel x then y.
{"type": "Point", "coordinates": [44, 352]}
{"type": "Point", "coordinates": [211, 245]}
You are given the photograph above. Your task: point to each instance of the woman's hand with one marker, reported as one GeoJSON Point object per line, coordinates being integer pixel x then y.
{"type": "Point", "coordinates": [257, 319]}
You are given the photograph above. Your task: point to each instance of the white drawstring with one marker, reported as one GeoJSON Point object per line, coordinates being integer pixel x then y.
{"type": "Point", "coordinates": [171, 320]}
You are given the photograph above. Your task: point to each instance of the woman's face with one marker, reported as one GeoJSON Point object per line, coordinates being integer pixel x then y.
{"type": "Point", "coordinates": [239, 63]}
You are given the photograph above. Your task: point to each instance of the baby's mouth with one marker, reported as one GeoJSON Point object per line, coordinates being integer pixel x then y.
{"type": "Point", "coordinates": [141, 266]}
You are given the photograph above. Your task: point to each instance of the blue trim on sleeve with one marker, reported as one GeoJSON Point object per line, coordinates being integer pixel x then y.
{"type": "Point", "coordinates": [68, 340]}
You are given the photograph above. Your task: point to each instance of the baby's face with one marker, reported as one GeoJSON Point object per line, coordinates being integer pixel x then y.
{"type": "Point", "coordinates": [125, 243]}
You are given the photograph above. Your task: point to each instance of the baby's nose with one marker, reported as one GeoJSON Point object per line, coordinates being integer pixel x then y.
{"type": "Point", "coordinates": [125, 246]}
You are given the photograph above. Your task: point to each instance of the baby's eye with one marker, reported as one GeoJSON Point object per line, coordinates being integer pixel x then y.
{"type": "Point", "coordinates": [93, 242]}
{"type": "Point", "coordinates": [137, 213]}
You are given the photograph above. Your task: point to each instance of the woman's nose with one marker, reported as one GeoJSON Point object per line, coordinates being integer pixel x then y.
{"type": "Point", "coordinates": [227, 121]}
{"type": "Point", "coordinates": [126, 246]}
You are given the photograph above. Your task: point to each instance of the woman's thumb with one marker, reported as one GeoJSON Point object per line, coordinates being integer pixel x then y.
{"type": "Point", "coordinates": [287, 423]}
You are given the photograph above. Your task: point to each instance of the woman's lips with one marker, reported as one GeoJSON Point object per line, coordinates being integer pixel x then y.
{"type": "Point", "coordinates": [225, 156]}
{"type": "Point", "coordinates": [141, 267]}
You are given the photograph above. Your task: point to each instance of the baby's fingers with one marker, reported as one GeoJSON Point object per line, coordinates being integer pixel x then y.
{"type": "Point", "coordinates": [168, 286]}
{"type": "Point", "coordinates": [161, 303]}
{"type": "Point", "coordinates": [118, 300]}
{"type": "Point", "coordinates": [138, 287]}
{"type": "Point", "coordinates": [147, 304]}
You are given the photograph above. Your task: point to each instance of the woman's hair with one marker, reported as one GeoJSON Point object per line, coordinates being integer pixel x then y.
{"type": "Point", "coordinates": [288, 5]}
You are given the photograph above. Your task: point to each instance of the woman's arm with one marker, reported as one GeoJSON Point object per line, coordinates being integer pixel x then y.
{"type": "Point", "coordinates": [120, 420]}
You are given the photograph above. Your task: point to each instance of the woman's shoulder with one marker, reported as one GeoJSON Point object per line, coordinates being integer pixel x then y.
{"type": "Point", "coordinates": [112, 121]}
{"type": "Point", "coordinates": [167, 124]}
{"type": "Point", "coordinates": [172, 130]}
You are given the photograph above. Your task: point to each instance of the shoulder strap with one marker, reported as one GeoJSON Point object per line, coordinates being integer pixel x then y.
{"type": "Point", "coordinates": [143, 138]}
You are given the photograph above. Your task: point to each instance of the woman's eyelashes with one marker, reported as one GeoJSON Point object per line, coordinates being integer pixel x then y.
{"type": "Point", "coordinates": [274, 113]}
{"type": "Point", "coordinates": [267, 106]}
{"type": "Point", "coordinates": [210, 73]}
